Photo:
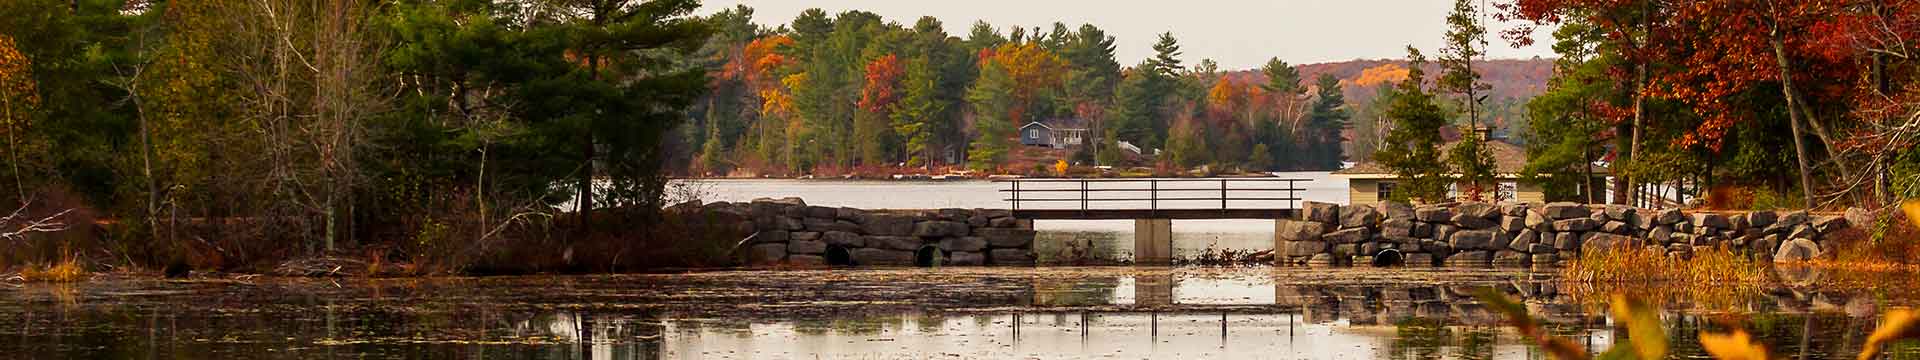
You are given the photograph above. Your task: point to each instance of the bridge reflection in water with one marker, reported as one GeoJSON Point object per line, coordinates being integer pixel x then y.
{"type": "Point", "coordinates": [1150, 315]}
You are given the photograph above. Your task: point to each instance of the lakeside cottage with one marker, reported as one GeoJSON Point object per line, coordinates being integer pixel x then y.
{"type": "Point", "coordinates": [1054, 133]}
{"type": "Point", "coordinates": [1370, 182]}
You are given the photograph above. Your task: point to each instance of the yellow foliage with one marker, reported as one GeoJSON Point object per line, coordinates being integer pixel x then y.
{"type": "Point", "coordinates": [1912, 207]}
{"type": "Point", "coordinates": [17, 88]}
{"type": "Point", "coordinates": [1383, 74]}
{"type": "Point", "coordinates": [1060, 167]}
{"type": "Point", "coordinates": [1900, 324]}
{"type": "Point", "coordinates": [1649, 338]}
{"type": "Point", "coordinates": [67, 270]}
{"type": "Point", "coordinates": [1737, 345]}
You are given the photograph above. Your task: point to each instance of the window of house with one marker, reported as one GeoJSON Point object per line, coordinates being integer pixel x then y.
{"type": "Point", "coordinates": [1384, 190]}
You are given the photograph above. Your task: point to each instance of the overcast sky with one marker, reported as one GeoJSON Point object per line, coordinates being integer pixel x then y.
{"type": "Point", "coordinates": [1239, 34]}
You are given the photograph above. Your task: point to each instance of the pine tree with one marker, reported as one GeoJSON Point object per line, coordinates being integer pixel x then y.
{"type": "Point", "coordinates": [1466, 40]}
{"type": "Point", "coordinates": [1412, 147]}
{"type": "Point", "coordinates": [992, 100]}
{"type": "Point", "coordinates": [914, 115]}
{"type": "Point", "coordinates": [1324, 122]}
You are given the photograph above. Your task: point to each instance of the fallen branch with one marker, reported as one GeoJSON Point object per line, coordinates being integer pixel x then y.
{"type": "Point", "coordinates": [26, 227]}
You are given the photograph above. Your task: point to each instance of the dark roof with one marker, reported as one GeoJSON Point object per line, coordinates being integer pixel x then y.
{"type": "Point", "coordinates": [1507, 159]}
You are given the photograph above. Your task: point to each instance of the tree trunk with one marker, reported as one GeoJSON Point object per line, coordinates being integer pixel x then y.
{"type": "Point", "coordinates": [1786, 89]}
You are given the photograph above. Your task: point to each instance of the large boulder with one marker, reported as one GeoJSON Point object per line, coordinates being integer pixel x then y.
{"type": "Point", "coordinates": [908, 243]}
{"type": "Point", "coordinates": [1513, 223]}
{"type": "Point", "coordinates": [770, 237]}
{"type": "Point", "coordinates": [881, 257]}
{"type": "Point", "coordinates": [1348, 236]}
{"type": "Point", "coordinates": [766, 253]}
{"type": "Point", "coordinates": [829, 224]}
{"type": "Point", "coordinates": [1472, 222]}
{"type": "Point", "coordinates": [1007, 238]}
{"type": "Point", "coordinates": [1762, 219]}
{"type": "Point", "coordinates": [1711, 220]}
{"type": "Point", "coordinates": [844, 239]}
{"type": "Point", "coordinates": [1597, 241]}
{"type": "Point", "coordinates": [1669, 217]}
{"type": "Point", "coordinates": [1359, 216]}
{"type": "Point", "coordinates": [1325, 213]}
{"type": "Point", "coordinates": [1538, 222]}
{"type": "Point", "coordinates": [1524, 241]}
{"type": "Point", "coordinates": [1573, 225]}
{"type": "Point", "coordinates": [1566, 241]}
{"type": "Point", "coordinates": [1296, 230]}
{"type": "Point", "coordinates": [1396, 210]}
{"type": "Point", "coordinates": [1617, 212]}
{"type": "Point", "coordinates": [822, 212]}
{"type": "Point", "coordinates": [966, 258]}
{"type": "Point", "coordinates": [1303, 248]}
{"type": "Point", "coordinates": [1661, 234]}
{"type": "Point", "coordinates": [939, 228]}
{"type": "Point", "coordinates": [1827, 224]}
{"type": "Point", "coordinates": [1797, 250]}
{"type": "Point", "coordinates": [1474, 240]}
{"type": "Point", "coordinates": [807, 247]}
{"type": "Point", "coordinates": [1477, 209]}
{"type": "Point", "coordinates": [968, 244]}
{"type": "Point", "coordinates": [1617, 227]}
{"type": "Point", "coordinates": [1397, 229]}
{"type": "Point", "coordinates": [1565, 210]}
{"type": "Point", "coordinates": [1432, 213]}
{"type": "Point", "coordinates": [1514, 208]}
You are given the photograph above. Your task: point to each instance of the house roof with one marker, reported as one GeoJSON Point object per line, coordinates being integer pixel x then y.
{"type": "Point", "coordinates": [1508, 161]}
{"type": "Point", "coordinates": [1024, 127]}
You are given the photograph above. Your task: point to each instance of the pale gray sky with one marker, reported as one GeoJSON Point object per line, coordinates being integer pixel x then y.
{"type": "Point", "coordinates": [1239, 34]}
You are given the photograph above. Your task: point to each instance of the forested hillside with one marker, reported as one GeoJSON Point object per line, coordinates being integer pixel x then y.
{"type": "Point", "coordinates": [857, 94]}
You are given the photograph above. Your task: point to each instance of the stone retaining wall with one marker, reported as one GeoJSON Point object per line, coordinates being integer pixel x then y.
{"type": "Point", "coordinates": [1521, 234]}
{"type": "Point", "coordinates": [790, 231]}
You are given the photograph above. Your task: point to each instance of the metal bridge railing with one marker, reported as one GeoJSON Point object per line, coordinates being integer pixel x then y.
{"type": "Point", "coordinates": [1149, 192]}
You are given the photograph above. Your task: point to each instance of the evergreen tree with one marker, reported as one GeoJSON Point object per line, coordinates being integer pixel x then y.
{"type": "Point", "coordinates": [1324, 123]}
{"type": "Point", "coordinates": [1466, 40]}
{"type": "Point", "coordinates": [992, 100]}
{"type": "Point", "coordinates": [1412, 147]}
{"type": "Point", "coordinates": [915, 115]}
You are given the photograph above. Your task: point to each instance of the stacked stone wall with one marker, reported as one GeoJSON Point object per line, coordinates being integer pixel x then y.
{"type": "Point", "coordinates": [1475, 234]}
{"type": "Point", "coordinates": [788, 231]}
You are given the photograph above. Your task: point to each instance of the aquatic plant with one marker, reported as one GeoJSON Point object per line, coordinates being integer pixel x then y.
{"type": "Point", "coordinates": [68, 269]}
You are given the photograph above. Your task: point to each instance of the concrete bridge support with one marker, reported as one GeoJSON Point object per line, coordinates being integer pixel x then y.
{"type": "Point", "coordinates": [1153, 241]}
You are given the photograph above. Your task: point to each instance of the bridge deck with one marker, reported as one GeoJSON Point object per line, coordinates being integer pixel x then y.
{"type": "Point", "coordinates": [1176, 214]}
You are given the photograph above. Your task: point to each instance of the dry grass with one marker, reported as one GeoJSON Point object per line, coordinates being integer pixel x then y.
{"type": "Point", "coordinates": [65, 271]}
{"type": "Point", "coordinates": [1647, 264]}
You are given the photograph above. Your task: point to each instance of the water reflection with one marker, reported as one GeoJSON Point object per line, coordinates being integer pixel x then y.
{"type": "Point", "coordinates": [904, 313]}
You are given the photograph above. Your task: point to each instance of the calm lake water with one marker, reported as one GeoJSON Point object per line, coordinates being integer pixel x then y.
{"type": "Point", "coordinates": [1100, 240]}
{"type": "Point", "coordinates": [954, 313]}
{"type": "Point", "coordinates": [914, 313]}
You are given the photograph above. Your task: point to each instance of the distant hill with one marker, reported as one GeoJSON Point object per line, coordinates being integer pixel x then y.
{"type": "Point", "coordinates": [1361, 79]}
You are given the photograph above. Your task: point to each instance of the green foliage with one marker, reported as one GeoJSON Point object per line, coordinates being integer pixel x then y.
{"type": "Point", "coordinates": [1260, 158]}
{"type": "Point", "coordinates": [1325, 121]}
{"type": "Point", "coordinates": [915, 115]}
{"type": "Point", "coordinates": [992, 100]}
{"type": "Point", "coordinates": [1412, 147]}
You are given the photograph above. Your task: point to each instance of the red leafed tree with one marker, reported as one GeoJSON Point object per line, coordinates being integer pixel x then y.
{"type": "Point", "coordinates": [1632, 28]}
{"type": "Point", "coordinates": [1742, 43]}
{"type": "Point", "coordinates": [883, 81]}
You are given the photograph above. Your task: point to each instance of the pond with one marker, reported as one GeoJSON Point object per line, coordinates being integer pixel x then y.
{"type": "Point", "coordinates": [962, 313]}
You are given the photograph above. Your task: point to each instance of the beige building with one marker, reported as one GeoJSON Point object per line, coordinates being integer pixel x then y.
{"type": "Point", "coordinates": [1369, 182]}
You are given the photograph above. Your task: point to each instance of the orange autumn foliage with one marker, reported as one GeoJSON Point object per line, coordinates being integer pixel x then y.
{"type": "Point", "coordinates": [883, 77]}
